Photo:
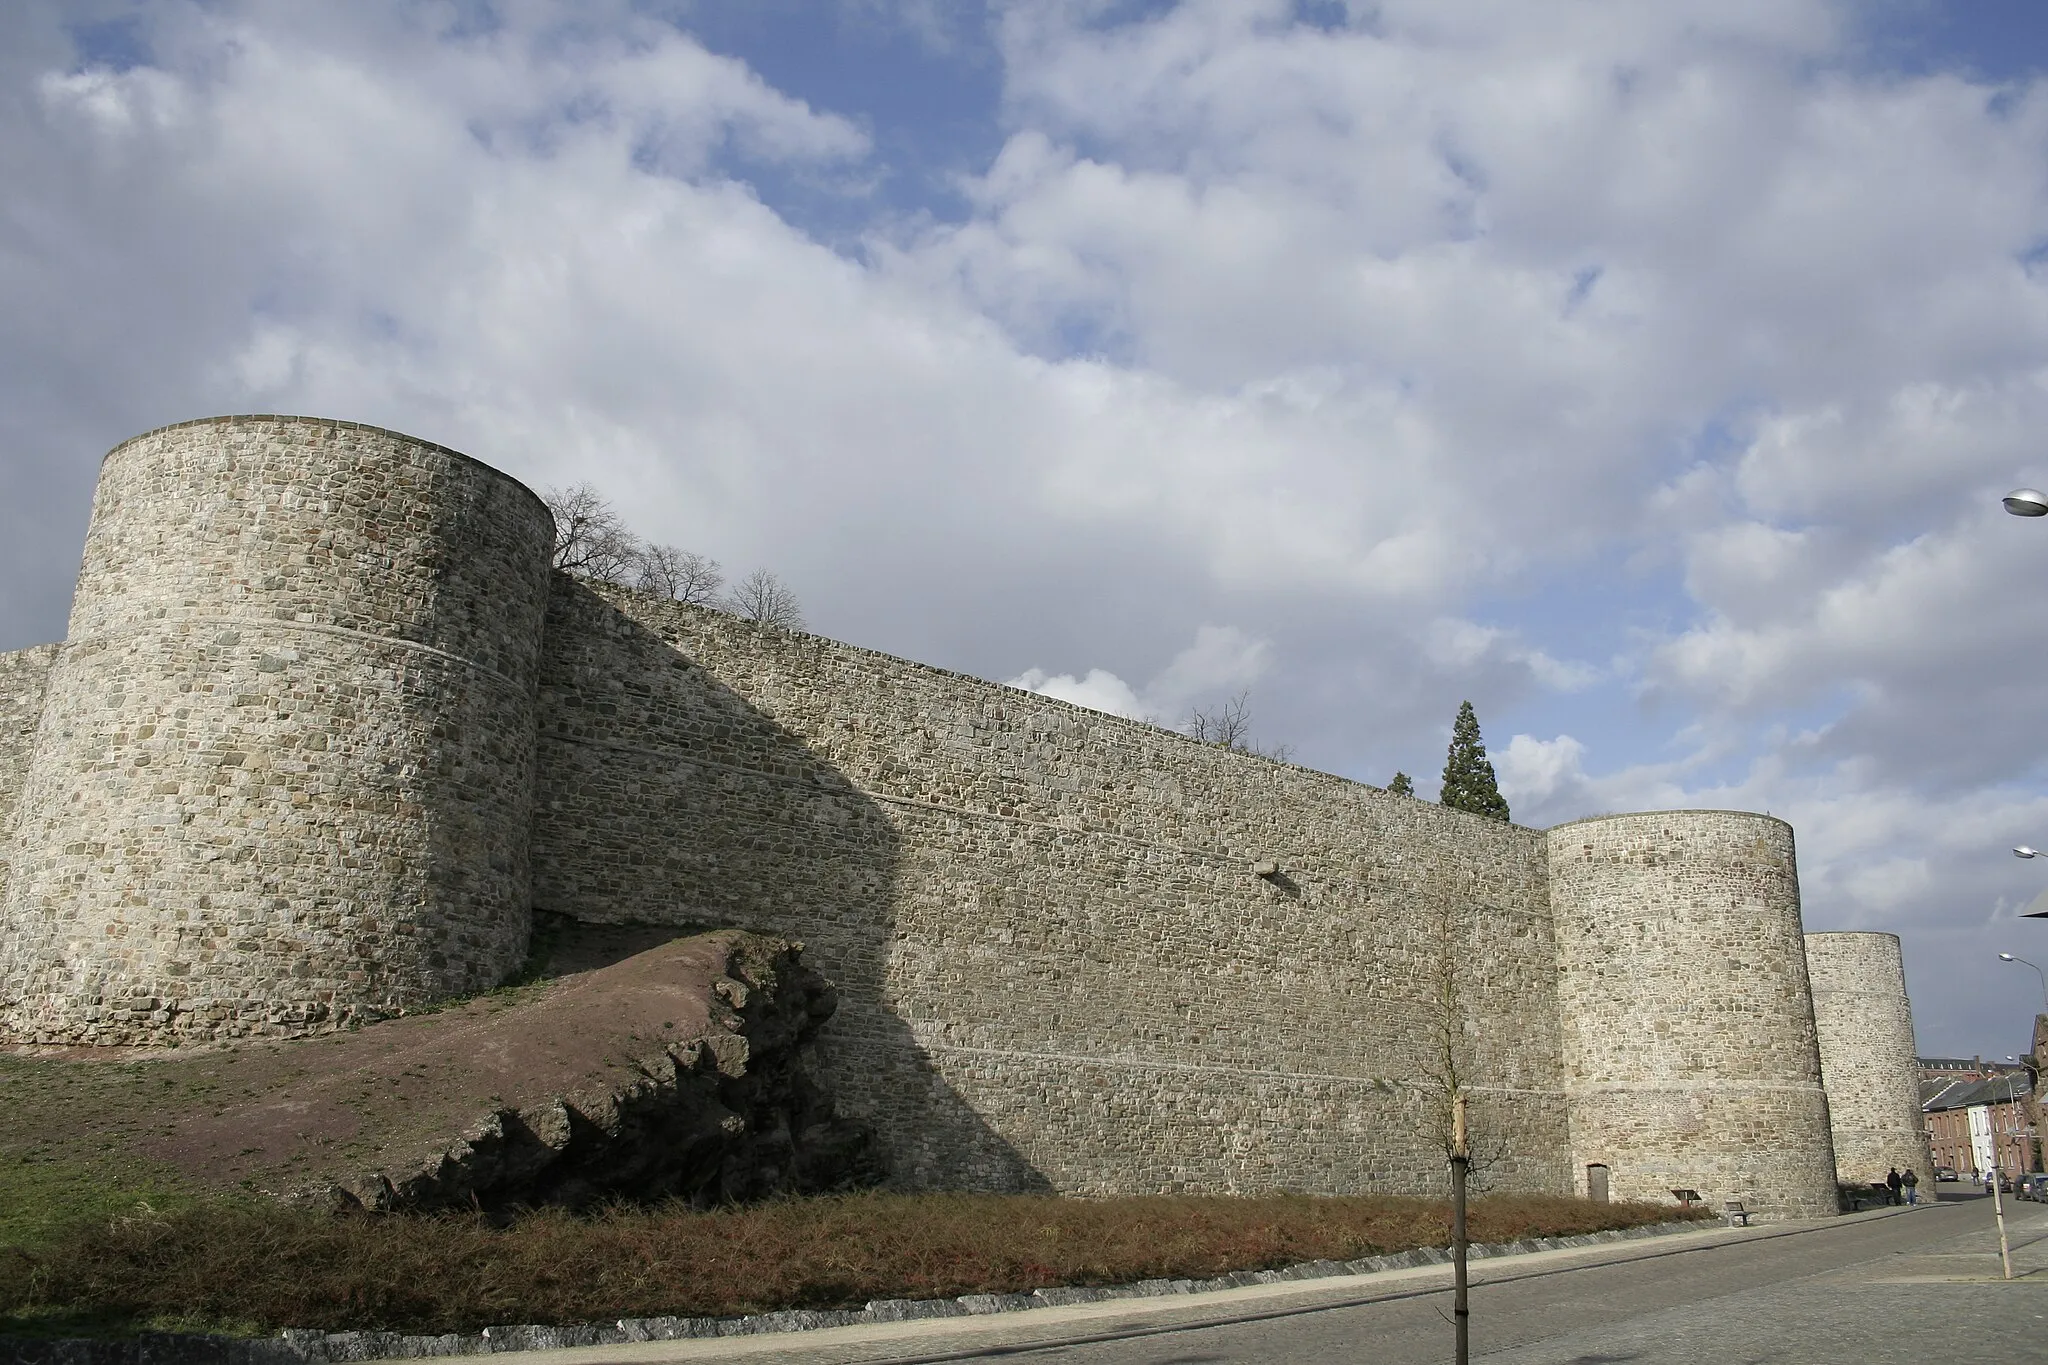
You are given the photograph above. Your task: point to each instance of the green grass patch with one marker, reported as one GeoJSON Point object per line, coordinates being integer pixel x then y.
{"type": "Point", "coordinates": [44, 1199]}
{"type": "Point", "coordinates": [66, 1144]}
{"type": "Point", "coordinates": [250, 1268]}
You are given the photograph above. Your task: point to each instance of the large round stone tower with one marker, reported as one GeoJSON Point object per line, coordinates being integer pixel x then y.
{"type": "Point", "coordinates": [1868, 1055]}
{"type": "Point", "coordinates": [283, 774]}
{"type": "Point", "coordinates": [1687, 1027]}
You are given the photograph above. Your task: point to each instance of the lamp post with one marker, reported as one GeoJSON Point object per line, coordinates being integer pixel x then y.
{"type": "Point", "coordinates": [2008, 957]}
{"type": "Point", "coordinates": [2024, 851]}
{"type": "Point", "coordinates": [1461, 1164]}
{"type": "Point", "coordinates": [1997, 1180]}
{"type": "Point", "coordinates": [2021, 502]}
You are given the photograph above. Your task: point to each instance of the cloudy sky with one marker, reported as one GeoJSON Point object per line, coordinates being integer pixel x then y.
{"type": "Point", "coordinates": [1647, 374]}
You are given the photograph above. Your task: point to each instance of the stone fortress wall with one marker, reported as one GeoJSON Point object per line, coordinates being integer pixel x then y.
{"type": "Point", "coordinates": [24, 676]}
{"type": "Point", "coordinates": [326, 729]}
{"type": "Point", "coordinates": [1867, 1054]}
{"type": "Point", "coordinates": [284, 763]}
{"type": "Point", "coordinates": [1687, 1023]}
{"type": "Point", "coordinates": [1058, 966]}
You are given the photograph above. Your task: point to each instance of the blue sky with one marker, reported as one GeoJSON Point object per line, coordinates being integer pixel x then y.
{"type": "Point", "coordinates": [1646, 374]}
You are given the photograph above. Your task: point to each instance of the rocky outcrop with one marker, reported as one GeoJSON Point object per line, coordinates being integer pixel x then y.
{"type": "Point", "coordinates": [679, 1071]}
{"type": "Point", "coordinates": [734, 1114]}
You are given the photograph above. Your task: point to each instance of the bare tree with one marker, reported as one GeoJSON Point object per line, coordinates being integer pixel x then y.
{"type": "Point", "coordinates": [763, 597]}
{"type": "Point", "coordinates": [1229, 726]}
{"type": "Point", "coordinates": [1472, 1122]}
{"type": "Point", "coordinates": [590, 539]}
{"type": "Point", "coordinates": [1451, 1074]}
{"type": "Point", "coordinates": [681, 574]}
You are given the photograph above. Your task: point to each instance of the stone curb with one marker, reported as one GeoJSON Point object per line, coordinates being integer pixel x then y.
{"type": "Point", "coordinates": [302, 1346]}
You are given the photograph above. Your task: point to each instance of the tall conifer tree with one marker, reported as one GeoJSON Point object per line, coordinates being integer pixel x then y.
{"type": "Point", "coordinates": [1468, 776]}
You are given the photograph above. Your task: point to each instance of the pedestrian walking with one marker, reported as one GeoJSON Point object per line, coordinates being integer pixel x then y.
{"type": "Point", "coordinates": [1911, 1180]}
{"type": "Point", "coordinates": [1892, 1183]}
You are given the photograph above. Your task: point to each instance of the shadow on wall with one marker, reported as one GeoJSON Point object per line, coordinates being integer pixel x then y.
{"type": "Point", "coordinates": [665, 797]}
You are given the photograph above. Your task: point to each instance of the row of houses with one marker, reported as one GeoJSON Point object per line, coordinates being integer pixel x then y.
{"type": "Point", "coordinates": [1981, 1116]}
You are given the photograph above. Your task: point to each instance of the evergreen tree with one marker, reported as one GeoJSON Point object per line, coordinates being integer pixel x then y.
{"type": "Point", "coordinates": [1468, 777]}
{"type": "Point", "coordinates": [1400, 786]}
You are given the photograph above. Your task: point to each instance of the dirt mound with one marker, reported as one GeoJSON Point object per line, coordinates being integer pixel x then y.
{"type": "Point", "coordinates": [650, 1069]}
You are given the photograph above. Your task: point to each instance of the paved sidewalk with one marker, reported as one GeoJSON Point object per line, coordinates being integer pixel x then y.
{"type": "Point", "coordinates": [1394, 1315]}
{"type": "Point", "coordinates": [1946, 1298]}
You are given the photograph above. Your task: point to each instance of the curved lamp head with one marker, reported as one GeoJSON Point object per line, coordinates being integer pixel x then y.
{"type": "Point", "coordinates": [2007, 957]}
{"type": "Point", "coordinates": [2026, 502]}
{"type": "Point", "coordinates": [2024, 852]}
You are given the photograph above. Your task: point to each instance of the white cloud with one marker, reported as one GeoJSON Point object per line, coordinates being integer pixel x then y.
{"type": "Point", "coordinates": [1099, 690]}
{"type": "Point", "coordinates": [1532, 769]}
{"type": "Point", "coordinates": [1221, 661]}
{"type": "Point", "coordinates": [1470, 649]}
{"type": "Point", "coordinates": [1453, 350]}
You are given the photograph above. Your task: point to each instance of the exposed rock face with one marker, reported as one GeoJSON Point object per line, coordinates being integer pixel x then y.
{"type": "Point", "coordinates": [679, 1071]}
{"type": "Point", "coordinates": [731, 1115]}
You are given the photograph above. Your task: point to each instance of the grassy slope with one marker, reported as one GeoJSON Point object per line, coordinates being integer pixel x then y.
{"type": "Point", "coordinates": [67, 1144]}
{"type": "Point", "coordinates": [95, 1239]}
{"type": "Point", "coordinates": [259, 1269]}
{"type": "Point", "coordinates": [96, 1236]}
{"type": "Point", "coordinates": [87, 1135]}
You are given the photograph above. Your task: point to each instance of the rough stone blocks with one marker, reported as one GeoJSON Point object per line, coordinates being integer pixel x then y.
{"type": "Point", "coordinates": [283, 769]}
{"type": "Point", "coordinates": [325, 730]}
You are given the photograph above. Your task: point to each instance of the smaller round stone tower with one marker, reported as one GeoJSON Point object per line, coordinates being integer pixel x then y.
{"type": "Point", "coordinates": [1868, 1056]}
{"type": "Point", "coordinates": [1685, 1019]}
{"type": "Point", "coordinates": [283, 775]}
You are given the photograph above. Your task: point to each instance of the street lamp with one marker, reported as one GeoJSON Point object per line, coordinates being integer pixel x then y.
{"type": "Point", "coordinates": [2008, 957]}
{"type": "Point", "coordinates": [2025, 502]}
{"type": "Point", "coordinates": [2024, 851]}
{"type": "Point", "coordinates": [1998, 1179]}
{"type": "Point", "coordinates": [2024, 1135]}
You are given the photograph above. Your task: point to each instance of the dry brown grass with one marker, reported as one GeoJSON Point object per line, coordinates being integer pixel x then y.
{"type": "Point", "coordinates": [248, 1268]}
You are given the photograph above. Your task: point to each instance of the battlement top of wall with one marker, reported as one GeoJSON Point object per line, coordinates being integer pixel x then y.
{"type": "Point", "coordinates": [1844, 935]}
{"type": "Point", "coordinates": [332, 423]}
{"type": "Point", "coordinates": [1659, 814]}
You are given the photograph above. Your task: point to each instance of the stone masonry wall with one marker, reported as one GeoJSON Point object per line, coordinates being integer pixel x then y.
{"type": "Point", "coordinates": [1689, 1052]}
{"type": "Point", "coordinates": [325, 728]}
{"type": "Point", "coordinates": [283, 775]}
{"type": "Point", "coordinates": [1058, 967]}
{"type": "Point", "coordinates": [1868, 1055]}
{"type": "Point", "coordinates": [23, 675]}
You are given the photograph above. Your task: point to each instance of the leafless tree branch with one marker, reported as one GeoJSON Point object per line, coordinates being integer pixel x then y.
{"type": "Point", "coordinates": [1229, 726]}
{"type": "Point", "coordinates": [763, 597]}
{"type": "Point", "coordinates": [590, 539]}
{"type": "Point", "coordinates": [1451, 1067]}
{"type": "Point", "coordinates": [681, 574]}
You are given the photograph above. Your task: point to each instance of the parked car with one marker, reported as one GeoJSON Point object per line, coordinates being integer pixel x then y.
{"type": "Point", "coordinates": [2034, 1187]}
{"type": "Point", "coordinates": [1945, 1173]}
